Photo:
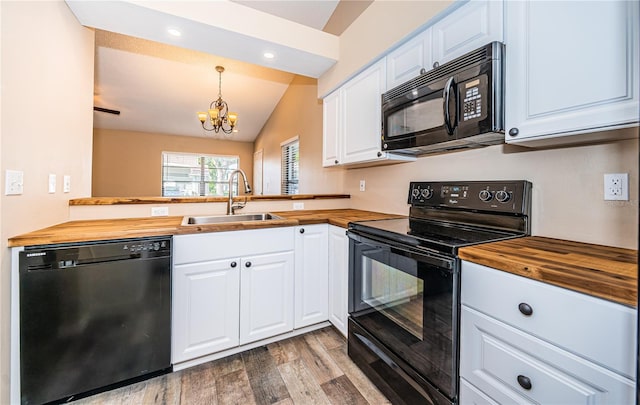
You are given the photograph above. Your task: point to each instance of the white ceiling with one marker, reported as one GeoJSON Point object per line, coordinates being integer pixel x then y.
{"type": "Point", "coordinates": [159, 87]}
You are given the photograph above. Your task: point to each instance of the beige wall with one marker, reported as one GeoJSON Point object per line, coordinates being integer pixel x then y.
{"type": "Point", "coordinates": [299, 113]}
{"type": "Point", "coordinates": [567, 186]}
{"type": "Point", "coordinates": [47, 96]}
{"type": "Point", "coordinates": [381, 26]}
{"type": "Point", "coordinates": [128, 163]}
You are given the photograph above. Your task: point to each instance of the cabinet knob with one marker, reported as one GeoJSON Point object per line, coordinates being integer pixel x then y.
{"type": "Point", "coordinates": [435, 64]}
{"type": "Point", "coordinates": [301, 230]}
{"type": "Point", "coordinates": [336, 161]}
{"type": "Point", "coordinates": [233, 265]}
{"type": "Point", "coordinates": [379, 154]}
{"type": "Point", "coordinates": [247, 264]}
{"type": "Point", "coordinates": [525, 309]}
{"type": "Point", "coordinates": [525, 382]}
{"type": "Point", "coordinates": [514, 132]}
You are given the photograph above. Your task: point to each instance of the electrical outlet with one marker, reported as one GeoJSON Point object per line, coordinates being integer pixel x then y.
{"type": "Point", "coordinates": [362, 185]}
{"type": "Point", "coordinates": [52, 183]}
{"type": "Point", "coordinates": [298, 206]}
{"type": "Point", "coordinates": [616, 186]}
{"type": "Point", "coordinates": [159, 211]}
{"type": "Point", "coordinates": [14, 180]}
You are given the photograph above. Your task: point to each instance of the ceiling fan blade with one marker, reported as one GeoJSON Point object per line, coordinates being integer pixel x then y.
{"type": "Point", "coordinates": [106, 110]}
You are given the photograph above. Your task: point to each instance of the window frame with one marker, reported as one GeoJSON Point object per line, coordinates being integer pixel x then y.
{"type": "Point", "coordinates": [202, 188]}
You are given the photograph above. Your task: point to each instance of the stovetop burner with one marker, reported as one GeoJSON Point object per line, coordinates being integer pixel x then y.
{"type": "Point", "coordinates": [445, 216]}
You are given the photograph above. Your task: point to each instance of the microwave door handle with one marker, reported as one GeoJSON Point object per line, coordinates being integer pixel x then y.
{"type": "Point", "coordinates": [445, 105]}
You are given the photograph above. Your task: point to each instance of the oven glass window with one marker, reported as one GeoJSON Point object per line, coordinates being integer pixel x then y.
{"type": "Point", "coordinates": [395, 294]}
{"type": "Point", "coordinates": [420, 116]}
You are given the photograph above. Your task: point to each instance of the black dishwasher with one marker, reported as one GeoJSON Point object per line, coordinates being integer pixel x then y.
{"type": "Point", "coordinates": [93, 315]}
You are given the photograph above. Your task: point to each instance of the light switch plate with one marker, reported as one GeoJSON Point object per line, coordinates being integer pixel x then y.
{"type": "Point", "coordinates": [66, 183]}
{"type": "Point", "coordinates": [14, 180]}
{"type": "Point", "coordinates": [52, 183]}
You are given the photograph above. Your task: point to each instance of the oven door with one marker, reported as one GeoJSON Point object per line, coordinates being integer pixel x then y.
{"type": "Point", "coordinates": [408, 302]}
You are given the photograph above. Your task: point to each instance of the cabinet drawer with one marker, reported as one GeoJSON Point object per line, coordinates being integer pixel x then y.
{"type": "Point", "coordinates": [470, 395]}
{"type": "Point", "coordinates": [512, 366]}
{"type": "Point", "coordinates": [599, 330]}
{"type": "Point", "coordinates": [217, 245]}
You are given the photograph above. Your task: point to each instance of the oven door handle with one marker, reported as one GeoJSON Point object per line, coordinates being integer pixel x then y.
{"type": "Point", "coordinates": [424, 257]}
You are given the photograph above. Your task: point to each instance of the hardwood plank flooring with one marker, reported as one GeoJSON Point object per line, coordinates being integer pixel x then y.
{"type": "Point", "coordinates": [312, 369]}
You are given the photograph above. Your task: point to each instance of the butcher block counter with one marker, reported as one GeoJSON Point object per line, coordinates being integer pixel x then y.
{"type": "Point", "coordinates": [107, 229]}
{"type": "Point", "coordinates": [601, 271]}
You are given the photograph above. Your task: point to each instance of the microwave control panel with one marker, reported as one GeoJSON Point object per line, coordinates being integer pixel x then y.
{"type": "Point", "coordinates": [473, 94]}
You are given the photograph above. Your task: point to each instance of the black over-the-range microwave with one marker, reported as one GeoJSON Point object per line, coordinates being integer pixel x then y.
{"type": "Point", "coordinates": [456, 105]}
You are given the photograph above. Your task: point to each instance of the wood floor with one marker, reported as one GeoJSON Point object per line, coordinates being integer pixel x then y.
{"type": "Point", "coordinates": [309, 369]}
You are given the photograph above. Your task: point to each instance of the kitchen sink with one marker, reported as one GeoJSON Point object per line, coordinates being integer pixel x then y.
{"type": "Point", "coordinates": [222, 219]}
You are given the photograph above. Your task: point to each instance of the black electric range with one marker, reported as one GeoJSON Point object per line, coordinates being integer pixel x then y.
{"type": "Point", "coordinates": [404, 283]}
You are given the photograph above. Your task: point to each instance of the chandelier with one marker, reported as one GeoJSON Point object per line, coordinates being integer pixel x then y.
{"type": "Point", "coordinates": [218, 117]}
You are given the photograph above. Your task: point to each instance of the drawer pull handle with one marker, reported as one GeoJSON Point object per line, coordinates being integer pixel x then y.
{"type": "Point", "coordinates": [525, 309]}
{"type": "Point", "coordinates": [524, 382]}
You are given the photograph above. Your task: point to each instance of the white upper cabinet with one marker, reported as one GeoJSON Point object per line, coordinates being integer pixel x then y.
{"type": "Point", "coordinates": [571, 70]}
{"type": "Point", "coordinates": [362, 115]}
{"type": "Point", "coordinates": [473, 25]}
{"type": "Point", "coordinates": [352, 119]}
{"type": "Point", "coordinates": [468, 27]}
{"type": "Point", "coordinates": [331, 129]}
{"type": "Point", "coordinates": [405, 63]}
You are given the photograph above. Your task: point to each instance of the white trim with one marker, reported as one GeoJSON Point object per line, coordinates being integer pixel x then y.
{"type": "Point", "coordinates": [290, 140]}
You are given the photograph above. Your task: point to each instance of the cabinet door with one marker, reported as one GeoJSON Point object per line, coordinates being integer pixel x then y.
{"type": "Point", "coordinates": [266, 296]}
{"type": "Point", "coordinates": [571, 68]}
{"type": "Point", "coordinates": [331, 129]}
{"type": "Point", "coordinates": [311, 275]}
{"type": "Point", "coordinates": [338, 278]}
{"type": "Point", "coordinates": [514, 367]}
{"type": "Point", "coordinates": [361, 115]}
{"type": "Point", "coordinates": [205, 302]}
{"type": "Point", "coordinates": [471, 26]}
{"type": "Point", "coordinates": [405, 63]}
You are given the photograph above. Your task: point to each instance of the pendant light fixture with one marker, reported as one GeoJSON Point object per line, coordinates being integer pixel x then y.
{"type": "Point", "coordinates": [218, 116]}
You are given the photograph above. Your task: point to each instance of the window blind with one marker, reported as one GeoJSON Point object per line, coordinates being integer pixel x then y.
{"type": "Point", "coordinates": [290, 167]}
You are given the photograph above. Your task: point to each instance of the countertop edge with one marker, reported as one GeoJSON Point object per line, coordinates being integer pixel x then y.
{"type": "Point", "coordinates": [196, 200]}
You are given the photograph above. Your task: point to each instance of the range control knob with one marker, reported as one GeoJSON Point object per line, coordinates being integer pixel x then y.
{"type": "Point", "coordinates": [503, 196]}
{"type": "Point", "coordinates": [415, 192]}
{"type": "Point", "coordinates": [485, 195]}
{"type": "Point", "coordinates": [426, 193]}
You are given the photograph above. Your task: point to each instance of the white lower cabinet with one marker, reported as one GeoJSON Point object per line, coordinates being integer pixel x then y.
{"type": "Point", "coordinates": [338, 277]}
{"type": "Point", "coordinates": [523, 341]}
{"type": "Point", "coordinates": [230, 288]}
{"type": "Point", "coordinates": [206, 308]}
{"type": "Point", "coordinates": [311, 275]}
{"type": "Point", "coordinates": [266, 292]}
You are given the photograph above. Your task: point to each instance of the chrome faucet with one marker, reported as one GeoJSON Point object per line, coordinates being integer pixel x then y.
{"type": "Point", "coordinates": [231, 206]}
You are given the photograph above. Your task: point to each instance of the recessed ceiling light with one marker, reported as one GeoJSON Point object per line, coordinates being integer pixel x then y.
{"type": "Point", "coordinates": [174, 32]}
{"type": "Point", "coordinates": [269, 55]}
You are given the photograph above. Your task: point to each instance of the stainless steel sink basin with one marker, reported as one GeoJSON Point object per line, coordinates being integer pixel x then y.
{"type": "Point", "coordinates": [222, 219]}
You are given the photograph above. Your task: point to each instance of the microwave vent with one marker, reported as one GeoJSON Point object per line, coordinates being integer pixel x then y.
{"type": "Point", "coordinates": [491, 51]}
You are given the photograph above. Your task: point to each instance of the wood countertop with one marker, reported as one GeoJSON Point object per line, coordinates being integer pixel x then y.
{"type": "Point", "coordinates": [601, 271]}
{"type": "Point", "coordinates": [108, 229]}
{"type": "Point", "coordinates": [183, 200]}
